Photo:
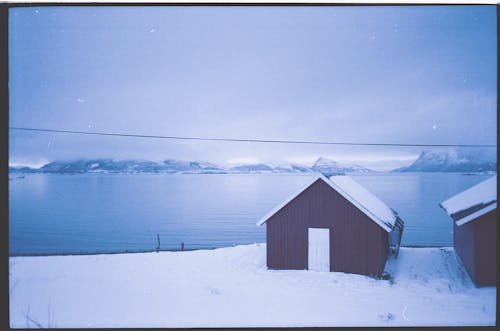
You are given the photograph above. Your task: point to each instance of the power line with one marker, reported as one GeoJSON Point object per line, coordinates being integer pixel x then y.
{"type": "Point", "coordinates": [308, 142]}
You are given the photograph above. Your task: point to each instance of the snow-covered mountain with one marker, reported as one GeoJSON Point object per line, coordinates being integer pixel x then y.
{"type": "Point", "coordinates": [452, 160]}
{"type": "Point", "coordinates": [101, 165]}
{"type": "Point", "coordinates": [172, 165]}
{"type": "Point", "coordinates": [330, 167]}
{"type": "Point", "coordinates": [290, 167]}
{"type": "Point", "coordinates": [123, 166]}
{"type": "Point", "coordinates": [20, 169]}
{"type": "Point", "coordinates": [272, 167]}
{"type": "Point", "coordinates": [322, 165]}
{"type": "Point", "coordinates": [251, 168]}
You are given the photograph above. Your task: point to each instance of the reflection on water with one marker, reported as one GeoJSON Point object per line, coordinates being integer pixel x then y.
{"type": "Point", "coordinates": [86, 213]}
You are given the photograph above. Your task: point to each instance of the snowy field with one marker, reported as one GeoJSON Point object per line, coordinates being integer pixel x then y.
{"type": "Point", "coordinates": [231, 287]}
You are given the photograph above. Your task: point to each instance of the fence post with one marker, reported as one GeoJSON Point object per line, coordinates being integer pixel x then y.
{"type": "Point", "coordinates": [158, 239]}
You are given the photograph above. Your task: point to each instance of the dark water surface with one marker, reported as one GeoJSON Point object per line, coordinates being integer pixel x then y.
{"type": "Point", "coordinates": [97, 213]}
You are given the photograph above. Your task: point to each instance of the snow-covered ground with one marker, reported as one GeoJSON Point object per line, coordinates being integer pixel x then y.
{"type": "Point", "coordinates": [231, 287]}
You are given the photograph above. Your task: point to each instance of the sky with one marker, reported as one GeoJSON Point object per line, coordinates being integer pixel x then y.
{"type": "Point", "coordinates": [401, 74]}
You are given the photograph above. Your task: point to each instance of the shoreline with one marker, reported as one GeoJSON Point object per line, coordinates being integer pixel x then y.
{"type": "Point", "coordinates": [172, 250]}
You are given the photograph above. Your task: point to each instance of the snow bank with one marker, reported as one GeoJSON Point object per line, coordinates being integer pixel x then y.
{"type": "Point", "coordinates": [231, 287]}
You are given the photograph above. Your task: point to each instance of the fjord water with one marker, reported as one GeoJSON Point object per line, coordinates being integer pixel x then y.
{"type": "Point", "coordinates": [102, 213]}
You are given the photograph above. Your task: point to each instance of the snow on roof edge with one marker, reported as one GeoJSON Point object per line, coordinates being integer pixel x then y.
{"type": "Point", "coordinates": [476, 214]}
{"type": "Point", "coordinates": [481, 193]}
{"type": "Point", "coordinates": [338, 189]}
{"type": "Point", "coordinates": [364, 209]}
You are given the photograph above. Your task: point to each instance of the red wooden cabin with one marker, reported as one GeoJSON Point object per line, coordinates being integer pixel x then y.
{"type": "Point", "coordinates": [332, 225]}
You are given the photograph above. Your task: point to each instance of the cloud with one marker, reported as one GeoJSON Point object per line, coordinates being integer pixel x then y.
{"type": "Point", "coordinates": [306, 74]}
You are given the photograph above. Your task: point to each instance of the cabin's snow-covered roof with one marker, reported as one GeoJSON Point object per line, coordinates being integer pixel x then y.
{"type": "Point", "coordinates": [366, 201]}
{"type": "Point", "coordinates": [482, 194]}
{"type": "Point", "coordinates": [359, 196]}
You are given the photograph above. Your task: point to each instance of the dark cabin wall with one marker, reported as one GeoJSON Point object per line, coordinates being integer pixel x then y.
{"type": "Point", "coordinates": [485, 230]}
{"type": "Point", "coordinates": [357, 243]}
{"type": "Point", "coordinates": [463, 241]}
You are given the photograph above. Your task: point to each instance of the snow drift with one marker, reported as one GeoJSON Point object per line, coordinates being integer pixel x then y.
{"type": "Point", "coordinates": [231, 287]}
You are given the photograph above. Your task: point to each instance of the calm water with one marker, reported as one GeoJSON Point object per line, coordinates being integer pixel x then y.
{"type": "Point", "coordinates": [88, 213]}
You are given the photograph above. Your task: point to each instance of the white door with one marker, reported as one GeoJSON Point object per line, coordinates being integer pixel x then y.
{"type": "Point", "coordinates": [318, 249]}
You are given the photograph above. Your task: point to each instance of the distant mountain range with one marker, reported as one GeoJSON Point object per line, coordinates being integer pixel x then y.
{"type": "Point", "coordinates": [428, 161]}
{"type": "Point", "coordinates": [323, 165]}
{"type": "Point", "coordinates": [331, 168]}
{"type": "Point", "coordinates": [452, 160]}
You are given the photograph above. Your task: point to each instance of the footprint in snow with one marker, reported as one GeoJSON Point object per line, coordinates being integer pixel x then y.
{"type": "Point", "coordinates": [213, 290]}
{"type": "Point", "coordinates": [386, 317]}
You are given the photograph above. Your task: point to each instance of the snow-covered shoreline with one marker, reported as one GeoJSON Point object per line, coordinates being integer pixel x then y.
{"type": "Point", "coordinates": [232, 287]}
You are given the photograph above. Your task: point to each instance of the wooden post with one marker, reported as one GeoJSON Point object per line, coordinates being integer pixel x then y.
{"type": "Point", "coordinates": [158, 239]}
{"type": "Point", "coordinates": [182, 246]}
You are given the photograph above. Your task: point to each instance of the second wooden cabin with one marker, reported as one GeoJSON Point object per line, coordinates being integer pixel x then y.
{"type": "Point", "coordinates": [474, 214]}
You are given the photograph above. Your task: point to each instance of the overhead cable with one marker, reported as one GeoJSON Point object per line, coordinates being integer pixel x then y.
{"type": "Point", "coordinates": [248, 140]}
